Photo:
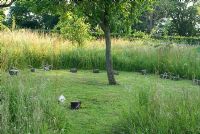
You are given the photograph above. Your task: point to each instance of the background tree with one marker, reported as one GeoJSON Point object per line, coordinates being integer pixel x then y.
{"type": "Point", "coordinates": [27, 18]}
{"type": "Point", "coordinates": [74, 28]}
{"type": "Point", "coordinates": [184, 16]}
{"type": "Point", "coordinates": [100, 12]}
{"type": "Point", "coordinates": [149, 19]}
{"type": "Point", "coordinates": [105, 13]}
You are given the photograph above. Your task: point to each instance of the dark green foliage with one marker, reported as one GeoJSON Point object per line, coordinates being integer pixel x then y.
{"type": "Point", "coordinates": [184, 18]}
{"type": "Point", "coordinates": [27, 18]}
{"type": "Point", "coordinates": [74, 28]}
{"type": "Point", "coordinates": [180, 39]}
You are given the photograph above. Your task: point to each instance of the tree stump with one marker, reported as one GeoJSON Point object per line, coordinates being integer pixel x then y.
{"type": "Point", "coordinates": [115, 72]}
{"type": "Point", "coordinates": [51, 67]}
{"type": "Point", "coordinates": [13, 72]}
{"type": "Point", "coordinates": [143, 72]}
{"type": "Point", "coordinates": [33, 70]}
{"type": "Point", "coordinates": [196, 82]}
{"type": "Point", "coordinates": [75, 105]}
{"type": "Point", "coordinates": [48, 67]}
{"type": "Point", "coordinates": [96, 71]}
{"type": "Point", "coordinates": [164, 76]}
{"type": "Point", "coordinates": [175, 77]}
{"type": "Point", "coordinates": [73, 70]}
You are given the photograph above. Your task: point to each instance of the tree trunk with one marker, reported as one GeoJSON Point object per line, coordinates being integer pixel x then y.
{"type": "Point", "coordinates": [106, 28]}
{"type": "Point", "coordinates": [109, 65]}
{"type": "Point", "coordinates": [150, 19]}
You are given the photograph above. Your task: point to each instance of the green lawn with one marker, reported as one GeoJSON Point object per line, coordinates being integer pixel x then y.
{"type": "Point", "coordinates": [103, 106]}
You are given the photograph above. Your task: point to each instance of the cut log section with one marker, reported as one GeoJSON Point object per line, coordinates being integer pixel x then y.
{"type": "Point", "coordinates": [73, 70]}
{"type": "Point", "coordinates": [96, 71]}
{"type": "Point", "coordinates": [165, 76]}
{"type": "Point", "coordinates": [143, 72]}
{"type": "Point", "coordinates": [13, 72]}
{"type": "Point", "coordinates": [33, 70]}
{"type": "Point", "coordinates": [196, 82]}
{"type": "Point", "coordinates": [75, 105]}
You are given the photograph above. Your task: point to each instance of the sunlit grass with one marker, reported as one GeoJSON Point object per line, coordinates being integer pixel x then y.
{"type": "Point", "coordinates": [140, 104]}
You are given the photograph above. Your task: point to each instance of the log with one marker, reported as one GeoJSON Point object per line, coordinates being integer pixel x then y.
{"type": "Point", "coordinates": [13, 72]}
{"type": "Point", "coordinates": [73, 70]}
{"type": "Point", "coordinates": [175, 77]}
{"type": "Point", "coordinates": [75, 105]}
{"type": "Point", "coordinates": [143, 72]}
{"type": "Point", "coordinates": [96, 71]}
{"type": "Point", "coordinates": [46, 68]}
{"type": "Point", "coordinates": [164, 76]}
{"type": "Point", "coordinates": [196, 82]}
{"type": "Point", "coordinates": [33, 70]}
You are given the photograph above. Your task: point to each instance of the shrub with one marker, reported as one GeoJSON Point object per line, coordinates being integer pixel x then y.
{"type": "Point", "coordinates": [140, 35]}
{"type": "Point", "coordinates": [74, 28]}
{"type": "Point", "coordinates": [180, 39]}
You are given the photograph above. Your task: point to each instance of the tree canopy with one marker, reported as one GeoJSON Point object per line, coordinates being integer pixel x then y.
{"type": "Point", "coordinates": [76, 19]}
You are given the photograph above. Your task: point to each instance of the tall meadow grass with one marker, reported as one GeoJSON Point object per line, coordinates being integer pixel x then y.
{"type": "Point", "coordinates": [26, 106]}
{"type": "Point", "coordinates": [154, 111]}
{"type": "Point", "coordinates": [23, 48]}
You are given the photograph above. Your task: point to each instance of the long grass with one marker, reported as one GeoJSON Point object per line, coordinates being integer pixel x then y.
{"type": "Point", "coordinates": [25, 107]}
{"type": "Point", "coordinates": [23, 48]}
{"type": "Point", "coordinates": [140, 104]}
{"type": "Point", "coordinates": [154, 111]}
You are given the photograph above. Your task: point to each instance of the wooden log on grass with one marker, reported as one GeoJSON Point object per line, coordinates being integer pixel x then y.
{"type": "Point", "coordinates": [165, 76]}
{"type": "Point", "coordinates": [143, 72]}
{"type": "Point", "coordinates": [75, 105]}
{"type": "Point", "coordinates": [96, 71]}
{"type": "Point", "coordinates": [73, 70]}
{"type": "Point", "coordinates": [48, 67]}
{"type": "Point", "coordinates": [13, 72]}
{"type": "Point", "coordinates": [175, 77]}
{"type": "Point", "coordinates": [33, 70]}
{"type": "Point", "coordinates": [196, 82]}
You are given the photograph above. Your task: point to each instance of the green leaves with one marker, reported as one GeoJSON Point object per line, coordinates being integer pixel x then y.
{"type": "Point", "coordinates": [2, 17]}
{"type": "Point", "coordinates": [74, 28]}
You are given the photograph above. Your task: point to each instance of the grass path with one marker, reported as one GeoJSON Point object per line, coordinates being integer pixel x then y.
{"type": "Point", "coordinates": [102, 105]}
